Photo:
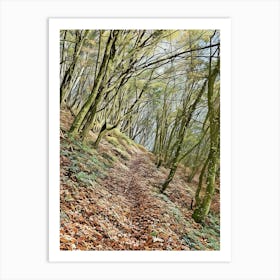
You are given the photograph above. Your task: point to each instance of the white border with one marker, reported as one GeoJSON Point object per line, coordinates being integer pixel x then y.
{"type": "Point", "coordinates": [224, 255]}
{"type": "Point", "coordinates": [24, 139]}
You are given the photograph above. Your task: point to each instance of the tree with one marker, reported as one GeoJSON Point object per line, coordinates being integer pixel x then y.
{"type": "Point", "coordinates": [203, 208]}
{"type": "Point", "coordinates": [67, 79]}
{"type": "Point", "coordinates": [159, 87]}
{"type": "Point", "coordinates": [95, 94]}
{"type": "Point", "coordinates": [187, 115]}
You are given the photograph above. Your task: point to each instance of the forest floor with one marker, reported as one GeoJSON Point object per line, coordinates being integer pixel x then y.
{"type": "Point", "coordinates": [110, 199]}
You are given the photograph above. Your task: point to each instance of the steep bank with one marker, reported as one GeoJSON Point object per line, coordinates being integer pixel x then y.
{"type": "Point", "coordinates": [110, 199]}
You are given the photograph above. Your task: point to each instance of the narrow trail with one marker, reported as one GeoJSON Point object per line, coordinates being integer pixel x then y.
{"type": "Point", "coordinates": [144, 213]}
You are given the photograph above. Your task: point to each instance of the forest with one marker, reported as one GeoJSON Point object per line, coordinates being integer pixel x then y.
{"type": "Point", "coordinates": [139, 139]}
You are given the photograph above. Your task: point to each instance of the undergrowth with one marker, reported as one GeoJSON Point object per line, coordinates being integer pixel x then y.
{"type": "Point", "coordinates": [85, 168]}
{"type": "Point", "coordinates": [83, 162]}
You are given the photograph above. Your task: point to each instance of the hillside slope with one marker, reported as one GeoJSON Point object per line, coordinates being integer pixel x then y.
{"type": "Point", "coordinates": [110, 199]}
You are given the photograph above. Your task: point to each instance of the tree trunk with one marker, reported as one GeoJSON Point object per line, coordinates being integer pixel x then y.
{"type": "Point", "coordinates": [101, 133]}
{"type": "Point", "coordinates": [203, 209]}
{"type": "Point", "coordinates": [96, 87]}
{"type": "Point", "coordinates": [184, 125]}
{"type": "Point", "coordinates": [67, 79]}
{"type": "Point", "coordinates": [91, 115]}
{"type": "Point", "coordinates": [193, 172]}
{"type": "Point", "coordinates": [170, 177]}
{"type": "Point", "coordinates": [201, 176]}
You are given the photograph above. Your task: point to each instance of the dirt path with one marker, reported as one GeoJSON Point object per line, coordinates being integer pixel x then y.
{"type": "Point", "coordinates": [144, 213]}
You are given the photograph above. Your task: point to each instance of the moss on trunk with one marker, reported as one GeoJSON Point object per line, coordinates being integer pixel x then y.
{"type": "Point", "coordinates": [96, 87]}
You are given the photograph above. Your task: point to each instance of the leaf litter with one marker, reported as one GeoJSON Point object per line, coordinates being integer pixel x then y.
{"type": "Point", "coordinates": [110, 200]}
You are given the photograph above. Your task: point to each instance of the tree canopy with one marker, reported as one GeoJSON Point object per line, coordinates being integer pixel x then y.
{"type": "Point", "coordinates": [159, 87]}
